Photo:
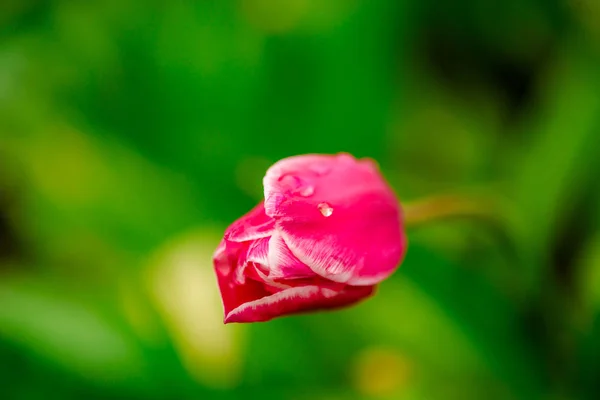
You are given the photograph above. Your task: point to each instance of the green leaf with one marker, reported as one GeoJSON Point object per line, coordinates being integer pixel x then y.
{"type": "Point", "coordinates": [43, 319]}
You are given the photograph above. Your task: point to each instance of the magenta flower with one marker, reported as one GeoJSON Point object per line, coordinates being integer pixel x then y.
{"type": "Point", "coordinates": [329, 230]}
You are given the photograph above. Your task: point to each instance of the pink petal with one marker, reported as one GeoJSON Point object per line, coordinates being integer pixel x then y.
{"type": "Point", "coordinates": [282, 263]}
{"type": "Point", "coordinates": [254, 225]}
{"type": "Point", "coordinates": [296, 300]}
{"type": "Point", "coordinates": [256, 300]}
{"type": "Point", "coordinates": [220, 251]}
{"type": "Point", "coordinates": [233, 292]}
{"type": "Point", "coordinates": [256, 264]}
{"type": "Point", "coordinates": [293, 176]}
{"type": "Point", "coordinates": [226, 256]}
{"type": "Point", "coordinates": [258, 273]}
{"type": "Point", "coordinates": [275, 259]}
{"type": "Point", "coordinates": [359, 240]}
{"type": "Point", "coordinates": [258, 251]}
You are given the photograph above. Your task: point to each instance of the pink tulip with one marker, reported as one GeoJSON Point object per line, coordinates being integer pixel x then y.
{"type": "Point", "coordinates": [328, 231]}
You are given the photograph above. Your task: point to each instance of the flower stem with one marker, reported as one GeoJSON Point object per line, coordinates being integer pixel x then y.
{"type": "Point", "coordinates": [449, 206]}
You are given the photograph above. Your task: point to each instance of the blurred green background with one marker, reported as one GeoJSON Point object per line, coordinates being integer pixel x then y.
{"type": "Point", "coordinates": [133, 132]}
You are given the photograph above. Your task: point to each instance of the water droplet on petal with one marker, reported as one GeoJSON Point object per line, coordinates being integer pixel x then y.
{"type": "Point", "coordinates": [325, 209]}
{"type": "Point", "coordinates": [306, 191]}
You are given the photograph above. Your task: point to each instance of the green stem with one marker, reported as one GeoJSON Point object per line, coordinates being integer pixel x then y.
{"type": "Point", "coordinates": [488, 211]}
{"type": "Point", "coordinates": [449, 206]}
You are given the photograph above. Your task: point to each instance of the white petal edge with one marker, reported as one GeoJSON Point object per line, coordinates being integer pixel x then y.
{"type": "Point", "coordinates": [271, 179]}
{"type": "Point", "coordinates": [302, 292]}
{"type": "Point", "coordinates": [251, 234]}
{"type": "Point", "coordinates": [269, 281]}
{"type": "Point", "coordinates": [333, 270]}
{"type": "Point", "coordinates": [328, 267]}
{"type": "Point", "coordinates": [258, 251]}
{"type": "Point", "coordinates": [220, 250]}
{"type": "Point", "coordinates": [275, 257]}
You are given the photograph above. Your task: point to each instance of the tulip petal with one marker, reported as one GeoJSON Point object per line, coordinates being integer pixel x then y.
{"type": "Point", "coordinates": [254, 225]}
{"type": "Point", "coordinates": [220, 251]}
{"type": "Point", "coordinates": [348, 229]}
{"type": "Point", "coordinates": [296, 300]}
{"type": "Point", "coordinates": [225, 258]}
{"type": "Point", "coordinates": [258, 273]}
{"type": "Point", "coordinates": [282, 263]}
{"type": "Point", "coordinates": [257, 258]}
{"type": "Point", "coordinates": [258, 251]}
{"type": "Point", "coordinates": [355, 249]}
{"type": "Point", "coordinates": [233, 292]}
{"type": "Point", "coordinates": [294, 177]}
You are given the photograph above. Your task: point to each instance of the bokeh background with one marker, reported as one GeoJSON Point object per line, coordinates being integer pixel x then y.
{"type": "Point", "coordinates": [132, 132]}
